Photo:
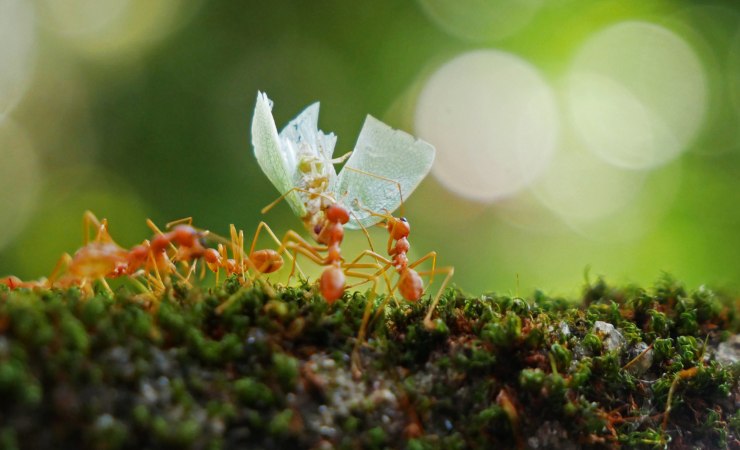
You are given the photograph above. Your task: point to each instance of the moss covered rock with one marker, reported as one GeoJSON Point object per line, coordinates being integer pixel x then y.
{"type": "Point", "coordinates": [620, 367]}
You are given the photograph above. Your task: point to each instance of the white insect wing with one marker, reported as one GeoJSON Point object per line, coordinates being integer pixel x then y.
{"type": "Point", "coordinates": [383, 160]}
{"type": "Point", "coordinates": [312, 150]}
{"type": "Point", "coordinates": [277, 161]}
{"type": "Point", "coordinates": [382, 155]}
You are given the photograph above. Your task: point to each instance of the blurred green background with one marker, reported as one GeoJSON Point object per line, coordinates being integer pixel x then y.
{"type": "Point", "coordinates": [569, 133]}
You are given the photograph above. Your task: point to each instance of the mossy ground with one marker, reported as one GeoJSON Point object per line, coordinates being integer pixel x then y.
{"type": "Point", "coordinates": [273, 371]}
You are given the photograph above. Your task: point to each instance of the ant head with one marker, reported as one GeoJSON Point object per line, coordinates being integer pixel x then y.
{"type": "Point", "coordinates": [159, 243]}
{"type": "Point", "coordinates": [337, 214]}
{"type": "Point", "coordinates": [212, 256]}
{"type": "Point", "coordinates": [185, 235]}
{"type": "Point", "coordinates": [399, 228]}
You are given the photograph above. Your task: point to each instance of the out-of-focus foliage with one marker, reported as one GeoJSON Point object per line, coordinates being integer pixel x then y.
{"type": "Point", "coordinates": [570, 133]}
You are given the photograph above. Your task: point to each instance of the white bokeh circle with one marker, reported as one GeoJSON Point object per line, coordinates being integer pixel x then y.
{"type": "Point", "coordinates": [17, 51]}
{"type": "Point", "coordinates": [637, 95]}
{"type": "Point", "coordinates": [477, 21]}
{"type": "Point", "coordinates": [494, 122]}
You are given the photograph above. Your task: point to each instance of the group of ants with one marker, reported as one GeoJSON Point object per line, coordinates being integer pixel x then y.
{"type": "Point", "coordinates": [176, 252]}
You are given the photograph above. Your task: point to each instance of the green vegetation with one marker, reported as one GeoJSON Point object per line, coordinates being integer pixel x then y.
{"type": "Point", "coordinates": [273, 371]}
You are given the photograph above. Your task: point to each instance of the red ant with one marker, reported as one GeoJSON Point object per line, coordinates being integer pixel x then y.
{"type": "Point", "coordinates": [327, 228]}
{"type": "Point", "coordinates": [94, 261]}
{"type": "Point", "coordinates": [410, 283]}
{"type": "Point", "coordinates": [260, 261]}
{"type": "Point", "coordinates": [13, 282]}
{"type": "Point", "coordinates": [188, 247]}
{"type": "Point", "coordinates": [97, 259]}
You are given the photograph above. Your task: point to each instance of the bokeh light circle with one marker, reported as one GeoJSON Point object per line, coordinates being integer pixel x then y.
{"type": "Point", "coordinates": [17, 51]}
{"type": "Point", "coordinates": [114, 28]}
{"type": "Point", "coordinates": [637, 95]}
{"type": "Point", "coordinates": [733, 71]}
{"type": "Point", "coordinates": [20, 178]}
{"type": "Point", "coordinates": [710, 29]}
{"type": "Point", "coordinates": [493, 120]}
{"type": "Point", "coordinates": [478, 21]}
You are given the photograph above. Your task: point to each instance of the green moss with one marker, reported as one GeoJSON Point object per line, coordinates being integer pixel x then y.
{"type": "Point", "coordinates": [286, 370]}
{"type": "Point", "coordinates": [280, 423]}
{"type": "Point", "coordinates": [253, 393]}
{"type": "Point", "coordinates": [272, 370]}
{"type": "Point", "coordinates": [376, 437]}
{"type": "Point", "coordinates": [8, 439]}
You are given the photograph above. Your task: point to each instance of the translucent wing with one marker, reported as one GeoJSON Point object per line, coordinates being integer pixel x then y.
{"type": "Point", "coordinates": [382, 155]}
{"type": "Point", "coordinates": [305, 128]}
{"type": "Point", "coordinates": [276, 161]}
{"type": "Point", "coordinates": [303, 137]}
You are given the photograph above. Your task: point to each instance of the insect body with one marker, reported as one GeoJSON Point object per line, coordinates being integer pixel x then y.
{"type": "Point", "coordinates": [299, 163]}
{"type": "Point", "coordinates": [385, 166]}
{"type": "Point", "coordinates": [329, 235]}
{"type": "Point", "coordinates": [95, 260]}
{"type": "Point", "coordinates": [410, 283]}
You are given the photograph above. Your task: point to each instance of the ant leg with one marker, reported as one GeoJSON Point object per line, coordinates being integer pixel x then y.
{"type": "Point", "coordinates": [449, 271]}
{"type": "Point", "coordinates": [229, 301]}
{"type": "Point", "coordinates": [237, 248]}
{"type": "Point", "coordinates": [152, 226]}
{"type": "Point", "coordinates": [381, 308]}
{"type": "Point", "coordinates": [89, 220]}
{"type": "Point", "coordinates": [242, 260]}
{"type": "Point", "coordinates": [371, 253]}
{"type": "Point", "coordinates": [223, 263]}
{"type": "Point", "coordinates": [267, 208]}
{"type": "Point", "coordinates": [293, 240]}
{"type": "Point", "coordinates": [155, 279]}
{"type": "Point", "coordinates": [185, 220]}
{"type": "Point", "coordinates": [364, 230]}
{"type": "Point", "coordinates": [106, 285]}
{"type": "Point", "coordinates": [86, 288]}
{"type": "Point", "coordinates": [291, 237]}
{"type": "Point", "coordinates": [264, 226]}
{"type": "Point", "coordinates": [307, 251]}
{"type": "Point", "coordinates": [380, 259]}
{"type": "Point", "coordinates": [186, 278]}
{"type": "Point", "coordinates": [356, 360]}
{"type": "Point", "coordinates": [242, 264]}
{"type": "Point", "coordinates": [432, 272]}
{"type": "Point", "coordinates": [61, 265]}
{"type": "Point", "coordinates": [370, 301]}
